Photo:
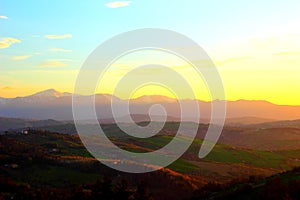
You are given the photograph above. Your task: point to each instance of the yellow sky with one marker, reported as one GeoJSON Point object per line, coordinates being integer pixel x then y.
{"type": "Point", "coordinates": [257, 68]}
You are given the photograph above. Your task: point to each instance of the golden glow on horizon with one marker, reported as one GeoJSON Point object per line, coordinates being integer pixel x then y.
{"type": "Point", "coordinates": [263, 68]}
{"type": "Point", "coordinates": [128, 64]}
{"type": "Point", "coordinates": [152, 90]}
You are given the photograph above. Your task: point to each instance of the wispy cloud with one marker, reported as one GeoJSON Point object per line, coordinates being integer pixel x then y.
{"type": "Point", "coordinates": [52, 64]}
{"type": "Point", "coordinates": [21, 57]}
{"type": "Point", "coordinates": [7, 88]}
{"type": "Point", "coordinates": [68, 60]}
{"type": "Point", "coordinates": [286, 53]}
{"type": "Point", "coordinates": [117, 4]}
{"type": "Point", "coordinates": [3, 17]}
{"type": "Point", "coordinates": [7, 42]}
{"type": "Point", "coordinates": [53, 36]}
{"type": "Point", "coordinates": [231, 60]}
{"type": "Point", "coordinates": [60, 50]}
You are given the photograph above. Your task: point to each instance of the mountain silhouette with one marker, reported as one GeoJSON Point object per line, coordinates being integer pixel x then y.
{"type": "Point", "coordinates": [51, 104]}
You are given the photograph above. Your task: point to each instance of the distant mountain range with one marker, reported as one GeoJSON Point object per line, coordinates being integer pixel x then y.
{"type": "Point", "coordinates": [51, 104]}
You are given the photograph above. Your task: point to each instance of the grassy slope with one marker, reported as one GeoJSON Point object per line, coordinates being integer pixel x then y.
{"type": "Point", "coordinates": [223, 163]}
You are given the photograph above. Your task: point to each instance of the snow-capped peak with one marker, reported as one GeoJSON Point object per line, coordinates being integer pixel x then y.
{"type": "Point", "coordinates": [48, 93]}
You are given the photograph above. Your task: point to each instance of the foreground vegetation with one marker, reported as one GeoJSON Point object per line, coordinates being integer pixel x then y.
{"type": "Point", "coordinates": [47, 165]}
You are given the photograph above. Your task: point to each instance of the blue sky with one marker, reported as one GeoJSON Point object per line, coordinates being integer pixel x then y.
{"type": "Point", "coordinates": [83, 25]}
{"type": "Point", "coordinates": [91, 22]}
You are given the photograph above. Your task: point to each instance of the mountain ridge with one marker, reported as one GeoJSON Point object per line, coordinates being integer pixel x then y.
{"type": "Point", "coordinates": [51, 104]}
{"type": "Point", "coordinates": [58, 94]}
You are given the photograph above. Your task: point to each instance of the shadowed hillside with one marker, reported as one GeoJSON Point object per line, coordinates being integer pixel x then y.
{"type": "Point", "coordinates": [58, 163]}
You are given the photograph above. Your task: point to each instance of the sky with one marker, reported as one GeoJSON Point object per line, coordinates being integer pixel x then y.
{"type": "Point", "coordinates": [255, 45]}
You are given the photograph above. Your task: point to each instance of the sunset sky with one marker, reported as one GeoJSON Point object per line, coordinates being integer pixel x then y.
{"type": "Point", "coordinates": [254, 44]}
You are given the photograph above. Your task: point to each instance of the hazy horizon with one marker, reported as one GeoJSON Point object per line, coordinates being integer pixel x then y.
{"type": "Point", "coordinates": [136, 97]}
